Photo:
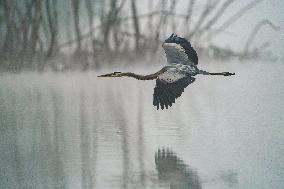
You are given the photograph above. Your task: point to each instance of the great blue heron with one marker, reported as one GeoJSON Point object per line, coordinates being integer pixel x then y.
{"type": "Point", "coordinates": [177, 75]}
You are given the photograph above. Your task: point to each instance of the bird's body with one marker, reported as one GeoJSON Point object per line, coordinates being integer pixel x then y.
{"type": "Point", "coordinates": [177, 75]}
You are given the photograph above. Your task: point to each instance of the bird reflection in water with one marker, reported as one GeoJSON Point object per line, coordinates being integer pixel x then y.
{"type": "Point", "coordinates": [173, 170]}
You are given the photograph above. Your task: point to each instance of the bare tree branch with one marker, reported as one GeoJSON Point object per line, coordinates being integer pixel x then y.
{"type": "Point", "coordinates": [111, 19]}
{"type": "Point", "coordinates": [53, 25]}
{"type": "Point", "coordinates": [255, 31]}
{"type": "Point", "coordinates": [236, 16]}
{"type": "Point", "coordinates": [206, 11]}
{"type": "Point", "coordinates": [88, 34]}
{"type": "Point", "coordinates": [187, 19]}
{"type": "Point", "coordinates": [218, 14]}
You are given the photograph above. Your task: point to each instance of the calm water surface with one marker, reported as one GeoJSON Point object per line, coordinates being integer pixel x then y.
{"type": "Point", "coordinates": [75, 130]}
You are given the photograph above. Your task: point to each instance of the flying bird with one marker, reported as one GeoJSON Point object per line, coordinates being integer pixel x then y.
{"type": "Point", "coordinates": [172, 79]}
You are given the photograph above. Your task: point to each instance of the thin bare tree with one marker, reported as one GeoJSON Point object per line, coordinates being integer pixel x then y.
{"type": "Point", "coordinates": [90, 12]}
{"type": "Point", "coordinates": [76, 8]}
{"type": "Point", "coordinates": [52, 20]}
{"type": "Point", "coordinates": [36, 21]}
{"type": "Point", "coordinates": [136, 25]}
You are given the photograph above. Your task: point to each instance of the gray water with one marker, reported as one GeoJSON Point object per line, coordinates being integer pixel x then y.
{"type": "Point", "coordinates": [75, 130]}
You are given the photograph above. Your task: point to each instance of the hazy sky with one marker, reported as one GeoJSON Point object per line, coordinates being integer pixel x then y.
{"type": "Point", "coordinates": [268, 9]}
{"type": "Point", "coordinates": [237, 34]}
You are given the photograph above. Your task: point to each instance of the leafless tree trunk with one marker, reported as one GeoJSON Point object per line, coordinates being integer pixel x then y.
{"type": "Point", "coordinates": [76, 8]}
{"type": "Point", "coordinates": [51, 12]}
{"type": "Point", "coordinates": [1, 21]}
{"type": "Point", "coordinates": [90, 12]}
{"type": "Point", "coordinates": [25, 26]}
{"type": "Point", "coordinates": [9, 15]}
{"type": "Point", "coordinates": [68, 27]}
{"type": "Point", "coordinates": [110, 21]}
{"type": "Point", "coordinates": [162, 19]}
{"type": "Point", "coordinates": [136, 25]}
{"type": "Point", "coordinates": [37, 19]}
{"type": "Point", "coordinates": [108, 24]}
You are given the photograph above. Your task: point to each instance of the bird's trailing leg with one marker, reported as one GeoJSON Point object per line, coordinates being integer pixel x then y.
{"type": "Point", "coordinates": [218, 73]}
{"type": "Point", "coordinates": [222, 73]}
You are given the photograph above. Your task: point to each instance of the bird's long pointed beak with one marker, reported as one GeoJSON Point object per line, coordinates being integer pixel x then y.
{"type": "Point", "coordinates": [114, 74]}
{"type": "Point", "coordinates": [105, 75]}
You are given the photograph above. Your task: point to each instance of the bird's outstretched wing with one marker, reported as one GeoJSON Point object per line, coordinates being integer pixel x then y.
{"type": "Point", "coordinates": [169, 86]}
{"type": "Point", "coordinates": [179, 51]}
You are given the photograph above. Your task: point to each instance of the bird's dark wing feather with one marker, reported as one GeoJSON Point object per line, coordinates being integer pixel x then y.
{"type": "Point", "coordinates": [165, 93]}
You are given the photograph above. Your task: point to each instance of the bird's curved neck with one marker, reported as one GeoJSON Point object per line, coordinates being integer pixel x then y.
{"type": "Point", "coordinates": [144, 77]}
{"type": "Point", "coordinates": [140, 77]}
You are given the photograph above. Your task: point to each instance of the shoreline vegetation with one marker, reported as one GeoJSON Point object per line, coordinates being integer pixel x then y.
{"type": "Point", "coordinates": [39, 35]}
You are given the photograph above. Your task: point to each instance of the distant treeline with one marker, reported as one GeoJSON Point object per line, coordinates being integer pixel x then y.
{"type": "Point", "coordinates": [86, 34]}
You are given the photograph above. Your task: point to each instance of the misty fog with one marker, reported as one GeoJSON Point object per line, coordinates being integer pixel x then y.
{"type": "Point", "coordinates": [63, 127]}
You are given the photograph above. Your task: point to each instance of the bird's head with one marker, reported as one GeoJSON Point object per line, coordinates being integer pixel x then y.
{"type": "Point", "coordinates": [114, 74]}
